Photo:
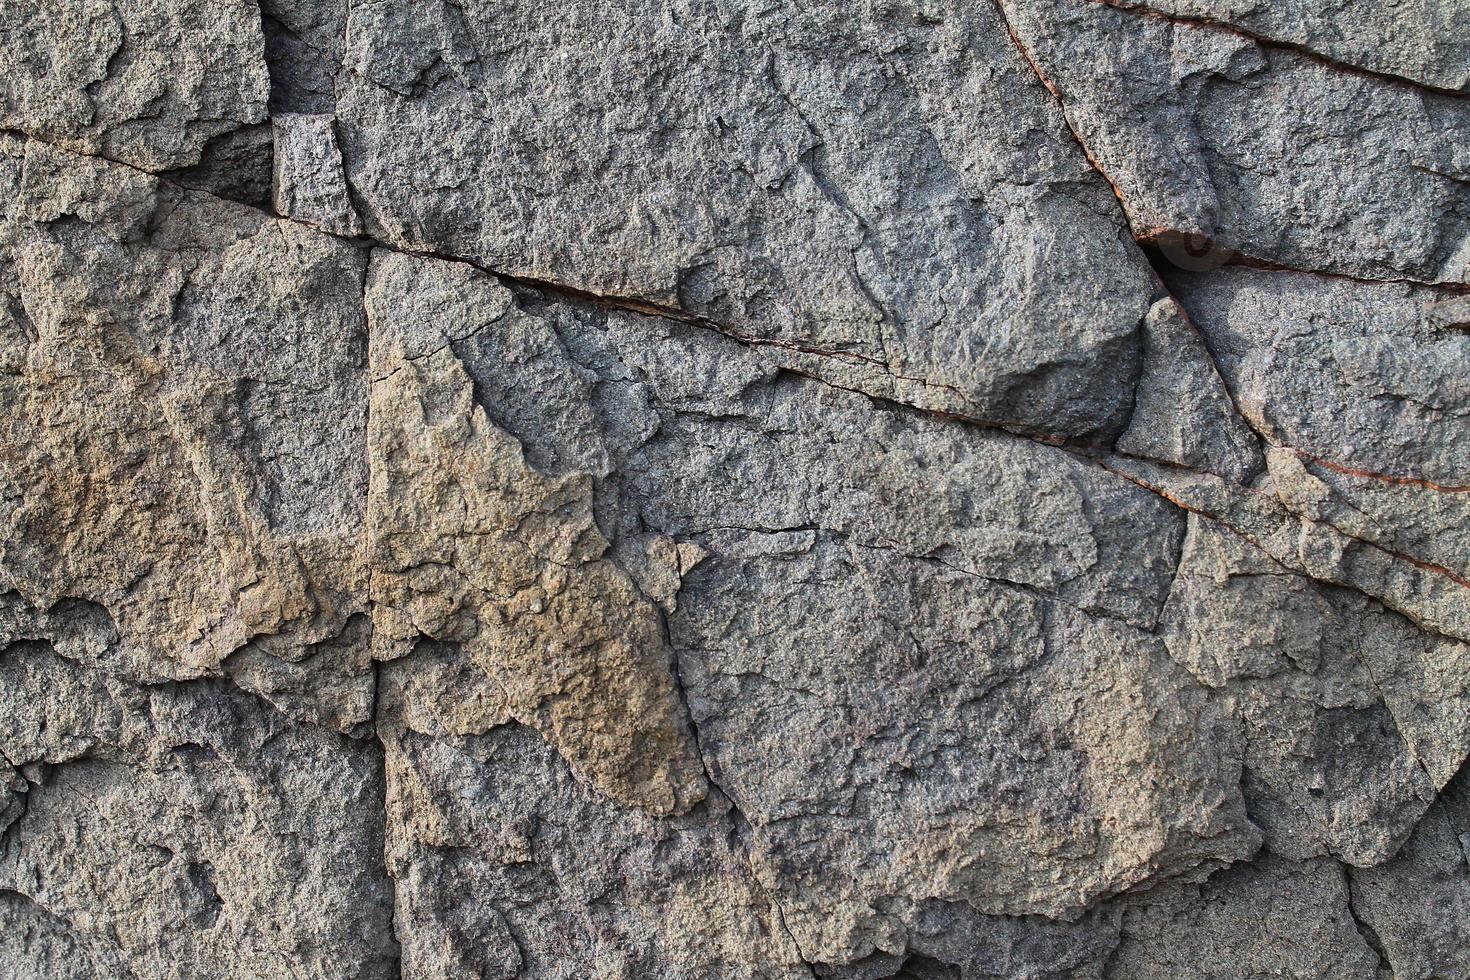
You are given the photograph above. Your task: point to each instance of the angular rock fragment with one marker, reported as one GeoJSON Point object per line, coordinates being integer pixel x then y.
{"type": "Point", "coordinates": [145, 83]}
{"type": "Point", "coordinates": [1434, 598]}
{"type": "Point", "coordinates": [303, 53]}
{"type": "Point", "coordinates": [187, 824]}
{"type": "Point", "coordinates": [471, 544]}
{"type": "Point", "coordinates": [666, 413]}
{"type": "Point", "coordinates": [884, 653]}
{"type": "Point", "coordinates": [1266, 151]}
{"type": "Point", "coordinates": [330, 682]}
{"type": "Point", "coordinates": [1352, 718]}
{"type": "Point", "coordinates": [729, 489]}
{"type": "Point", "coordinates": [186, 446]}
{"type": "Point", "coordinates": [507, 865]}
{"type": "Point", "coordinates": [1182, 412]}
{"type": "Point", "coordinates": [1013, 768]}
{"type": "Point", "coordinates": [888, 190]}
{"type": "Point", "coordinates": [37, 945]}
{"type": "Point", "coordinates": [309, 185]}
{"type": "Point", "coordinates": [1415, 907]}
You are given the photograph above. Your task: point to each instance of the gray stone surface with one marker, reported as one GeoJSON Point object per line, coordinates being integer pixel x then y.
{"type": "Point", "coordinates": [1360, 392]}
{"type": "Point", "coordinates": [1352, 718]}
{"type": "Point", "coordinates": [1182, 410]}
{"type": "Point", "coordinates": [882, 184]}
{"type": "Point", "coordinates": [309, 185]}
{"type": "Point", "coordinates": [188, 829]}
{"type": "Point", "coordinates": [859, 660]}
{"type": "Point", "coordinates": [144, 82]}
{"type": "Point", "coordinates": [1273, 919]}
{"type": "Point", "coordinates": [1425, 41]}
{"type": "Point", "coordinates": [717, 490]}
{"type": "Point", "coordinates": [1415, 907]}
{"type": "Point", "coordinates": [186, 438]}
{"type": "Point", "coordinates": [1273, 153]}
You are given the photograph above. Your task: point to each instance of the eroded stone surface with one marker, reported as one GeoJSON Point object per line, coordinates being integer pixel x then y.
{"type": "Point", "coordinates": [186, 441]}
{"type": "Point", "coordinates": [508, 866]}
{"type": "Point", "coordinates": [1274, 918]}
{"type": "Point", "coordinates": [1183, 413]}
{"type": "Point", "coordinates": [474, 545]}
{"type": "Point", "coordinates": [1319, 676]}
{"type": "Point", "coordinates": [717, 490]}
{"type": "Point", "coordinates": [1415, 905]}
{"type": "Point", "coordinates": [886, 184]}
{"type": "Point", "coordinates": [146, 83]}
{"type": "Point", "coordinates": [1269, 152]}
{"type": "Point", "coordinates": [859, 656]}
{"type": "Point", "coordinates": [187, 824]}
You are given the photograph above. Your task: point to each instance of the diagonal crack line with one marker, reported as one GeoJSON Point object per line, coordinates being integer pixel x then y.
{"type": "Point", "coordinates": [1157, 236]}
{"type": "Point", "coordinates": [811, 160]}
{"type": "Point", "coordinates": [1249, 539]}
{"type": "Point", "coordinates": [1367, 933]}
{"type": "Point", "coordinates": [1361, 474]}
{"type": "Point", "coordinates": [1239, 259]}
{"type": "Point", "coordinates": [1206, 22]}
{"type": "Point", "coordinates": [630, 305]}
{"type": "Point", "coordinates": [1056, 94]}
{"type": "Point", "coordinates": [1398, 725]}
{"type": "Point", "coordinates": [1226, 382]}
{"type": "Point", "coordinates": [646, 308]}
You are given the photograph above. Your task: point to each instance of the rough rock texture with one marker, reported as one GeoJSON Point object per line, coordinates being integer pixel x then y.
{"type": "Point", "coordinates": [1425, 41]}
{"type": "Point", "coordinates": [887, 186]}
{"type": "Point", "coordinates": [145, 83]}
{"type": "Point", "coordinates": [1274, 153]}
{"type": "Point", "coordinates": [723, 489]}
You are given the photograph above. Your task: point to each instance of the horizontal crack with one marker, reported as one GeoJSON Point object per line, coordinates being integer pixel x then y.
{"type": "Point", "coordinates": [1158, 238]}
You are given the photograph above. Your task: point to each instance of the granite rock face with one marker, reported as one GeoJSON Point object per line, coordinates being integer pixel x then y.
{"type": "Point", "coordinates": [1271, 152]}
{"type": "Point", "coordinates": [725, 489]}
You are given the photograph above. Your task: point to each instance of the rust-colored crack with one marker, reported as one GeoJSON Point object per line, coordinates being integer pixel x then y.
{"type": "Point", "coordinates": [1206, 22]}
{"type": "Point", "coordinates": [646, 308]}
{"type": "Point", "coordinates": [1056, 93]}
{"type": "Point", "coordinates": [623, 303]}
{"type": "Point", "coordinates": [1161, 237]}
{"type": "Point", "coordinates": [1427, 566]}
{"type": "Point", "coordinates": [1176, 501]}
{"type": "Point", "coordinates": [1419, 563]}
{"type": "Point", "coordinates": [1406, 481]}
